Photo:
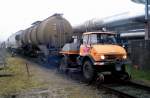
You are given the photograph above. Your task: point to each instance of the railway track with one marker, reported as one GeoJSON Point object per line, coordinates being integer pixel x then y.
{"type": "Point", "coordinates": [128, 90]}
{"type": "Point", "coordinates": [120, 88]}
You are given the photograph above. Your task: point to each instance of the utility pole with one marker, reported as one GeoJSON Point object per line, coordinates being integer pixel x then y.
{"type": "Point", "coordinates": [147, 21]}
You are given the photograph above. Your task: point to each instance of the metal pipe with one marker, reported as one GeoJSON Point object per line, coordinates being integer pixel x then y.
{"type": "Point", "coordinates": [132, 34]}
{"type": "Point", "coordinates": [146, 10]}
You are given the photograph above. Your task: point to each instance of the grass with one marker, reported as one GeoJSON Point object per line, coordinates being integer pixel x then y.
{"type": "Point", "coordinates": [20, 80]}
{"type": "Point", "coordinates": [139, 74]}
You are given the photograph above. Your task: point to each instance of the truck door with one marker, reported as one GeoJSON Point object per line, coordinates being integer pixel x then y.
{"type": "Point", "coordinates": [85, 46]}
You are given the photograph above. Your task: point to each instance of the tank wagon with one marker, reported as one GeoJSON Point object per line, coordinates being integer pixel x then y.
{"type": "Point", "coordinates": [55, 31]}
{"type": "Point", "coordinates": [14, 42]}
{"type": "Point", "coordinates": [46, 36]}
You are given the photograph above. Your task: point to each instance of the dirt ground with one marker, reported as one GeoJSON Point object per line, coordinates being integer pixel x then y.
{"type": "Point", "coordinates": [56, 85]}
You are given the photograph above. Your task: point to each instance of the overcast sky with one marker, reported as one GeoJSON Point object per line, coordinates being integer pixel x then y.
{"type": "Point", "coordinates": [19, 14]}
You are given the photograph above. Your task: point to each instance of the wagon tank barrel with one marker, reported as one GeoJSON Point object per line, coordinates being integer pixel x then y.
{"type": "Point", "coordinates": [54, 31]}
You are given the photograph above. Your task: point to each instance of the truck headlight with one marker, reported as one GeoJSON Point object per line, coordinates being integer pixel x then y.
{"type": "Point", "coordinates": [124, 57]}
{"type": "Point", "coordinates": [102, 57]}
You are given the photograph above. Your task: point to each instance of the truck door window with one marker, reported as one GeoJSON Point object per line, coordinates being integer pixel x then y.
{"type": "Point", "coordinates": [93, 39]}
{"type": "Point", "coordinates": [85, 39]}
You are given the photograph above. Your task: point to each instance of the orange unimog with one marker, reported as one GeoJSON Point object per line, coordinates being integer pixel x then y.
{"type": "Point", "coordinates": [96, 54]}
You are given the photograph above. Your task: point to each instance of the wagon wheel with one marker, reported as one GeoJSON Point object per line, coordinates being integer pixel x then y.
{"type": "Point", "coordinates": [63, 67]}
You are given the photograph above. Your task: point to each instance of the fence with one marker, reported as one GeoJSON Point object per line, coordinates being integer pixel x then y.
{"type": "Point", "coordinates": [140, 53]}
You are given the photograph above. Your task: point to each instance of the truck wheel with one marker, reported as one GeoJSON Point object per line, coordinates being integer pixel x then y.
{"type": "Point", "coordinates": [63, 66]}
{"type": "Point", "coordinates": [88, 71]}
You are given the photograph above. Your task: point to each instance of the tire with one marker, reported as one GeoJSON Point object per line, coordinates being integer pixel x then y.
{"type": "Point", "coordinates": [63, 65]}
{"type": "Point", "coordinates": [88, 71]}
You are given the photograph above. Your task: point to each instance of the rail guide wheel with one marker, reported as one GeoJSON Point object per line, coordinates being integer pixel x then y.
{"type": "Point", "coordinates": [123, 76]}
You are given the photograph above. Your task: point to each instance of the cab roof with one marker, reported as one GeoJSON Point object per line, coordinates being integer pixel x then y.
{"type": "Point", "coordinates": [87, 33]}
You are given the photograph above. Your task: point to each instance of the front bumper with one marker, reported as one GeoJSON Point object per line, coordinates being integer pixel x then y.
{"type": "Point", "coordinates": [113, 65]}
{"type": "Point", "coordinates": [111, 62]}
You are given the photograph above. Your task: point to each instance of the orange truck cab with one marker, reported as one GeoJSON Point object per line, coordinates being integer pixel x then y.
{"type": "Point", "coordinates": [97, 53]}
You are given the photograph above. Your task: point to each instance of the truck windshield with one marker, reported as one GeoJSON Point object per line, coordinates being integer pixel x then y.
{"type": "Point", "coordinates": [103, 39]}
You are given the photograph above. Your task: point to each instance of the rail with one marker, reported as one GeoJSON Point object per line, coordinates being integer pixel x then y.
{"type": "Point", "coordinates": [129, 90]}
